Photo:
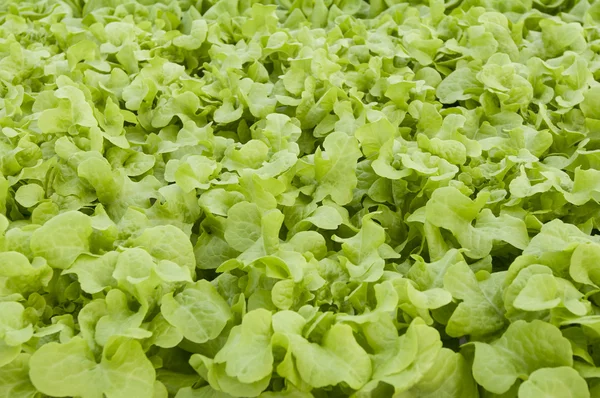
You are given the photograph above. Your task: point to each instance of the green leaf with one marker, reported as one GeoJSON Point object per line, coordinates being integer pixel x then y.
{"type": "Point", "coordinates": [540, 293]}
{"type": "Point", "coordinates": [554, 382]}
{"type": "Point", "coordinates": [373, 136]}
{"type": "Point", "coordinates": [220, 381]}
{"type": "Point", "coordinates": [402, 361]}
{"type": "Point", "coordinates": [243, 226]}
{"type": "Point", "coordinates": [522, 349]}
{"type": "Point", "coordinates": [119, 320]}
{"type": "Point", "coordinates": [196, 37]}
{"type": "Point", "coordinates": [71, 370]}
{"type": "Point", "coordinates": [19, 276]}
{"type": "Point", "coordinates": [582, 267]}
{"type": "Point", "coordinates": [363, 261]}
{"type": "Point", "coordinates": [460, 85]}
{"type": "Point", "coordinates": [334, 168]}
{"type": "Point", "coordinates": [481, 310]}
{"type": "Point", "coordinates": [99, 174]}
{"type": "Point", "coordinates": [450, 376]}
{"type": "Point", "coordinates": [167, 242]}
{"type": "Point", "coordinates": [95, 273]}
{"type": "Point", "coordinates": [15, 378]}
{"type": "Point", "coordinates": [62, 239]}
{"type": "Point", "coordinates": [15, 330]}
{"type": "Point", "coordinates": [198, 311]}
{"type": "Point", "coordinates": [29, 195]}
{"type": "Point", "coordinates": [247, 354]}
{"type": "Point", "coordinates": [452, 210]}
{"type": "Point", "coordinates": [338, 359]}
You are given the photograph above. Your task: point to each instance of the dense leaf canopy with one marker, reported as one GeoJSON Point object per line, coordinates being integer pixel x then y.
{"type": "Point", "coordinates": [299, 198]}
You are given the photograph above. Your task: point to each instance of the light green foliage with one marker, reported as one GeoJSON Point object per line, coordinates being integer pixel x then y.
{"type": "Point", "coordinates": [71, 369]}
{"type": "Point", "coordinates": [522, 349]}
{"type": "Point", "coordinates": [198, 311]}
{"type": "Point", "coordinates": [480, 311]}
{"type": "Point", "coordinates": [554, 382]}
{"type": "Point", "coordinates": [62, 239]}
{"type": "Point", "coordinates": [299, 198]}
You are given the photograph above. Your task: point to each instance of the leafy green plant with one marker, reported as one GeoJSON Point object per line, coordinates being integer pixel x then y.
{"type": "Point", "coordinates": [307, 198]}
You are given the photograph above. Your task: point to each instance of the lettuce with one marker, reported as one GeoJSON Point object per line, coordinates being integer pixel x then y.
{"type": "Point", "coordinates": [307, 198]}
